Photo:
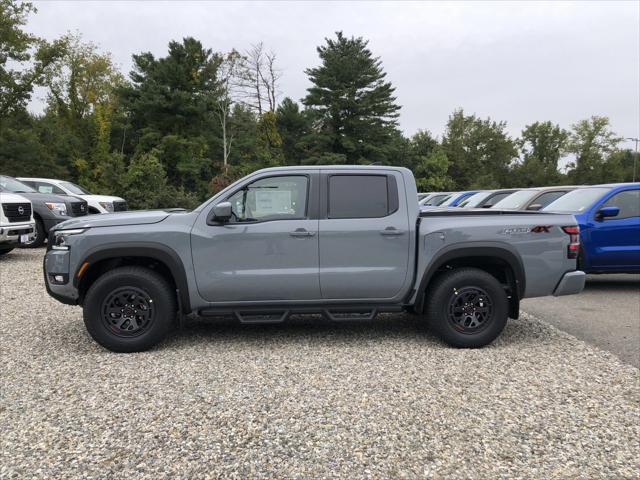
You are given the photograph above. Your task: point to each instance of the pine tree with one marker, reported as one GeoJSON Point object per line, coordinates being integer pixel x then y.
{"type": "Point", "coordinates": [354, 110]}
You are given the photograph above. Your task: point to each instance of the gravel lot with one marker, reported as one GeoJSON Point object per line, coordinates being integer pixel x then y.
{"type": "Point", "coordinates": [308, 399]}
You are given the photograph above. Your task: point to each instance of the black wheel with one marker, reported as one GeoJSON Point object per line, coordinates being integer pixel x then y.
{"type": "Point", "coordinates": [5, 250]}
{"type": "Point", "coordinates": [467, 307]}
{"type": "Point", "coordinates": [40, 236]}
{"type": "Point", "coordinates": [129, 309]}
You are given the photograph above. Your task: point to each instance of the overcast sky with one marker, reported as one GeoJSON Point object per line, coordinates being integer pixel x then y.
{"type": "Point", "coordinates": [517, 62]}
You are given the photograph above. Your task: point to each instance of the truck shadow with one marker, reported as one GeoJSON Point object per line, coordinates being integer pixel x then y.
{"type": "Point", "coordinates": [318, 330]}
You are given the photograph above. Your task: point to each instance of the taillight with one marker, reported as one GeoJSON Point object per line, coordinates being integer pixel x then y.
{"type": "Point", "coordinates": [574, 240]}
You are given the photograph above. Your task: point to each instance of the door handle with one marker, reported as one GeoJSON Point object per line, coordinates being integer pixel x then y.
{"type": "Point", "coordinates": [302, 232]}
{"type": "Point", "coordinates": [391, 232]}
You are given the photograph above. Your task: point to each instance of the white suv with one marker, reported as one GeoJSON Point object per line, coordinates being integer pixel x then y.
{"type": "Point", "coordinates": [96, 203]}
{"type": "Point", "coordinates": [17, 225]}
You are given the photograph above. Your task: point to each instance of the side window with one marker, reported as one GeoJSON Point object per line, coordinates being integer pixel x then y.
{"type": "Point", "coordinates": [547, 197]}
{"type": "Point", "coordinates": [495, 199]}
{"type": "Point", "coordinates": [362, 196]}
{"type": "Point", "coordinates": [44, 187]}
{"type": "Point", "coordinates": [273, 198]}
{"type": "Point", "coordinates": [628, 202]}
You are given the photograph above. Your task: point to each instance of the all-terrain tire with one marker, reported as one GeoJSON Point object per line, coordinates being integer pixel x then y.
{"type": "Point", "coordinates": [467, 307]}
{"type": "Point", "coordinates": [130, 309]}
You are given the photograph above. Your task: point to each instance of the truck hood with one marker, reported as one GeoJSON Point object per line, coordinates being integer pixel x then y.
{"type": "Point", "coordinates": [133, 217]}
{"type": "Point", "coordinates": [6, 197]}
{"type": "Point", "coordinates": [46, 197]}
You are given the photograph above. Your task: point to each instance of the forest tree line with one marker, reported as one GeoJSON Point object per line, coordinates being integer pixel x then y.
{"type": "Point", "coordinates": [180, 127]}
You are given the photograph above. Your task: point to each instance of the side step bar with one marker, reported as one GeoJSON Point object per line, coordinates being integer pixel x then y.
{"type": "Point", "coordinates": [266, 315]}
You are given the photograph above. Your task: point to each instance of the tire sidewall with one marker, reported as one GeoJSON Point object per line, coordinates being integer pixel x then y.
{"type": "Point", "coordinates": [438, 310]}
{"type": "Point", "coordinates": [146, 280]}
{"type": "Point", "coordinates": [40, 236]}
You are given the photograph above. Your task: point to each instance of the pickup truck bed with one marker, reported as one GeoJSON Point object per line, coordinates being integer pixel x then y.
{"type": "Point", "coordinates": [347, 242]}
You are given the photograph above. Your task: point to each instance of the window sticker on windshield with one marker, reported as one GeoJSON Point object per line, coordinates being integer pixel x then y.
{"type": "Point", "coordinates": [45, 189]}
{"type": "Point", "coordinates": [273, 202]}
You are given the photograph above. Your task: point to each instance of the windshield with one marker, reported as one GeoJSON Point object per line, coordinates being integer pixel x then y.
{"type": "Point", "coordinates": [9, 184]}
{"type": "Point", "coordinates": [75, 189]}
{"type": "Point", "coordinates": [440, 200]}
{"type": "Point", "coordinates": [516, 200]}
{"type": "Point", "coordinates": [577, 200]}
{"type": "Point", "coordinates": [474, 200]}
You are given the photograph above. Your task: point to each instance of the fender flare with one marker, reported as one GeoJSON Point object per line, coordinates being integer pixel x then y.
{"type": "Point", "coordinates": [504, 252]}
{"type": "Point", "coordinates": [153, 250]}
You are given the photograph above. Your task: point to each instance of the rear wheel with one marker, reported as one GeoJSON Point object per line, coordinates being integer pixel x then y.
{"type": "Point", "coordinates": [467, 307]}
{"type": "Point", "coordinates": [40, 236]}
{"type": "Point", "coordinates": [129, 309]}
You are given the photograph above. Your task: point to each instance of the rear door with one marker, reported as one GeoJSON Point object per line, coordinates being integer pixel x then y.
{"type": "Point", "coordinates": [364, 235]}
{"type": "Point", "coordinates": [616, 240]}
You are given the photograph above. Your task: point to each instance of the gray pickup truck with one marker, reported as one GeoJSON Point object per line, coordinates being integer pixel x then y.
{"type": "Point", "coordinates": [344, 242]}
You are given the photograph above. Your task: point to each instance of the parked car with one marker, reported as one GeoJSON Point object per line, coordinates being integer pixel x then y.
{"type": "Point", "coordinates": [485, 199]}
{"type": "Point", "coordinates": [423, 195]}
{"type": "Point", "coordinates": [434, 199]}
{"type": "Point", "coordinates": [456, 197]}
{"type": "Point", "coordinates": [532, 199]}
{"type": "Point", "coordinates": [609, 221]}
{"type": "Point", "coordinates": [17, 226]}
{"type": "Point", "coordinates": [96, 203]}
{"type": "Point", "coordinates": [48, 209]}
{"type": "Point", "coordinates": [347, 242]}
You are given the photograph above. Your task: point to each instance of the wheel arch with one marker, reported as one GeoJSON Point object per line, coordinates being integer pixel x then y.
{"type": "Point", "coordinates": [499, 261]}
{"type": "Point", "coordinates": [153, 255]}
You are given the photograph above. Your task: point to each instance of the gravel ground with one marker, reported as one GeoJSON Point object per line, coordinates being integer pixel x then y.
{"type": "Point", "coordinates": [308, 399]}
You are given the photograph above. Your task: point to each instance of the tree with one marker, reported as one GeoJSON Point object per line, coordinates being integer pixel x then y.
{"type": "Point", "coordinates": [479, 151]}
{"type": "Point", "coordinates": [542, 144]}
{"type": "Point", "coordinates": [354, 110]}
{"type": "Point", "coordinates": [259, 79]}
{"type": "Point", "coordinates": [428, 162]}
{"type": "Point", "coordinates": [294, 126]}
{"type": "Point", "coordinates": [591, 141]}
{"type": "Point", "coordinates": [24, 58]}
{"type": "Point", "coordinates": [169, 106]}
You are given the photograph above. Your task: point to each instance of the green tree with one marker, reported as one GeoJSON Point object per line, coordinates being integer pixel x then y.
{"type": "Point", "coordinates": [268, 141]}
{"type": "Point", "coordinates": [169, 106]}
{"type": "Point", "coordinates": [542, 144]}
{"type": "Point", "coordinates": [479, 151]}
{"type": "Point", "coordinates": [428, 162]}
{"type": "Point", "coordinates": [354, 110]}
{"type": "Point", "coordinates": [24, 58]}
{"type": "Point", "coordinates": [591, 141]}
{"type": "Point", "coordinates": [294, 126]}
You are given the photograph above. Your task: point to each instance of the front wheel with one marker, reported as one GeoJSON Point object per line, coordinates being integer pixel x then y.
{"type": "Point", "coordinates": [39, 236]}
{"type": "Point", "coordinates": [467, 307]}
{"type": "Point", "coordinates": [129, 309]}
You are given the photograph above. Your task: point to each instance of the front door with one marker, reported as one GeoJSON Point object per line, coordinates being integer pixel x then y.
{"type": "Point", "coordinates": [617, 239]}
{"type": "Point", "coordinates": [267, 251]}
{"type": "Point", "coordinates": [364, 239]}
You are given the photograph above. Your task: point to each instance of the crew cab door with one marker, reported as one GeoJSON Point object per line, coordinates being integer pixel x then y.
{"type": "Point", "coordinates": [364, 235]}
{"type": "Point", "coordinates": [268, 251]}
{"type": "Point", "coordinates": [616, 240]}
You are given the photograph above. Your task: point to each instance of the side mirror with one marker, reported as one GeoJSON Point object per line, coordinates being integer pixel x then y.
{"type": "Point", "coordinates": [221, 212]}
{"type": "Point", "coordinates": [535, 207]}
{"type": "Point", "coordinates": [608, 212]}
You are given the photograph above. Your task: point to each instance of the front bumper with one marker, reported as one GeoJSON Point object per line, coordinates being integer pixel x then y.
{"type": "Point", "coordinates": [10, 233]}
{"type": "Point", "coordinates": [56, 264]}
{"type": "Point", "coordinates": [570, 284]}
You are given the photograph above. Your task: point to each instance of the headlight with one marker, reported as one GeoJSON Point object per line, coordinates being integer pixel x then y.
{"type": "Point", "coordinates": [108, 206]}
{"type": "Point", "coordinates": [60, 238]}
{"type": "Point", "coordinates": [57, 208]}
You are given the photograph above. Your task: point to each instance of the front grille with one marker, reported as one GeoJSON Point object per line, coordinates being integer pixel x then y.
{"type": "Point", "coordinates": [17, 212]}
{"type": "Point", "coordinates": [79, 209]}
{"type": "Point", "coordinates": [119, 206]}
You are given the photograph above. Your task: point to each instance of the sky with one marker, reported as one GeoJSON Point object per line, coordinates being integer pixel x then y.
{"type": "Point", "coordinates": [514, 62]}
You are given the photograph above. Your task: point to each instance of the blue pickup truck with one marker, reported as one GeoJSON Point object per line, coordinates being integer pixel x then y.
{"type": "Point", "coordinates": [609, 220]}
